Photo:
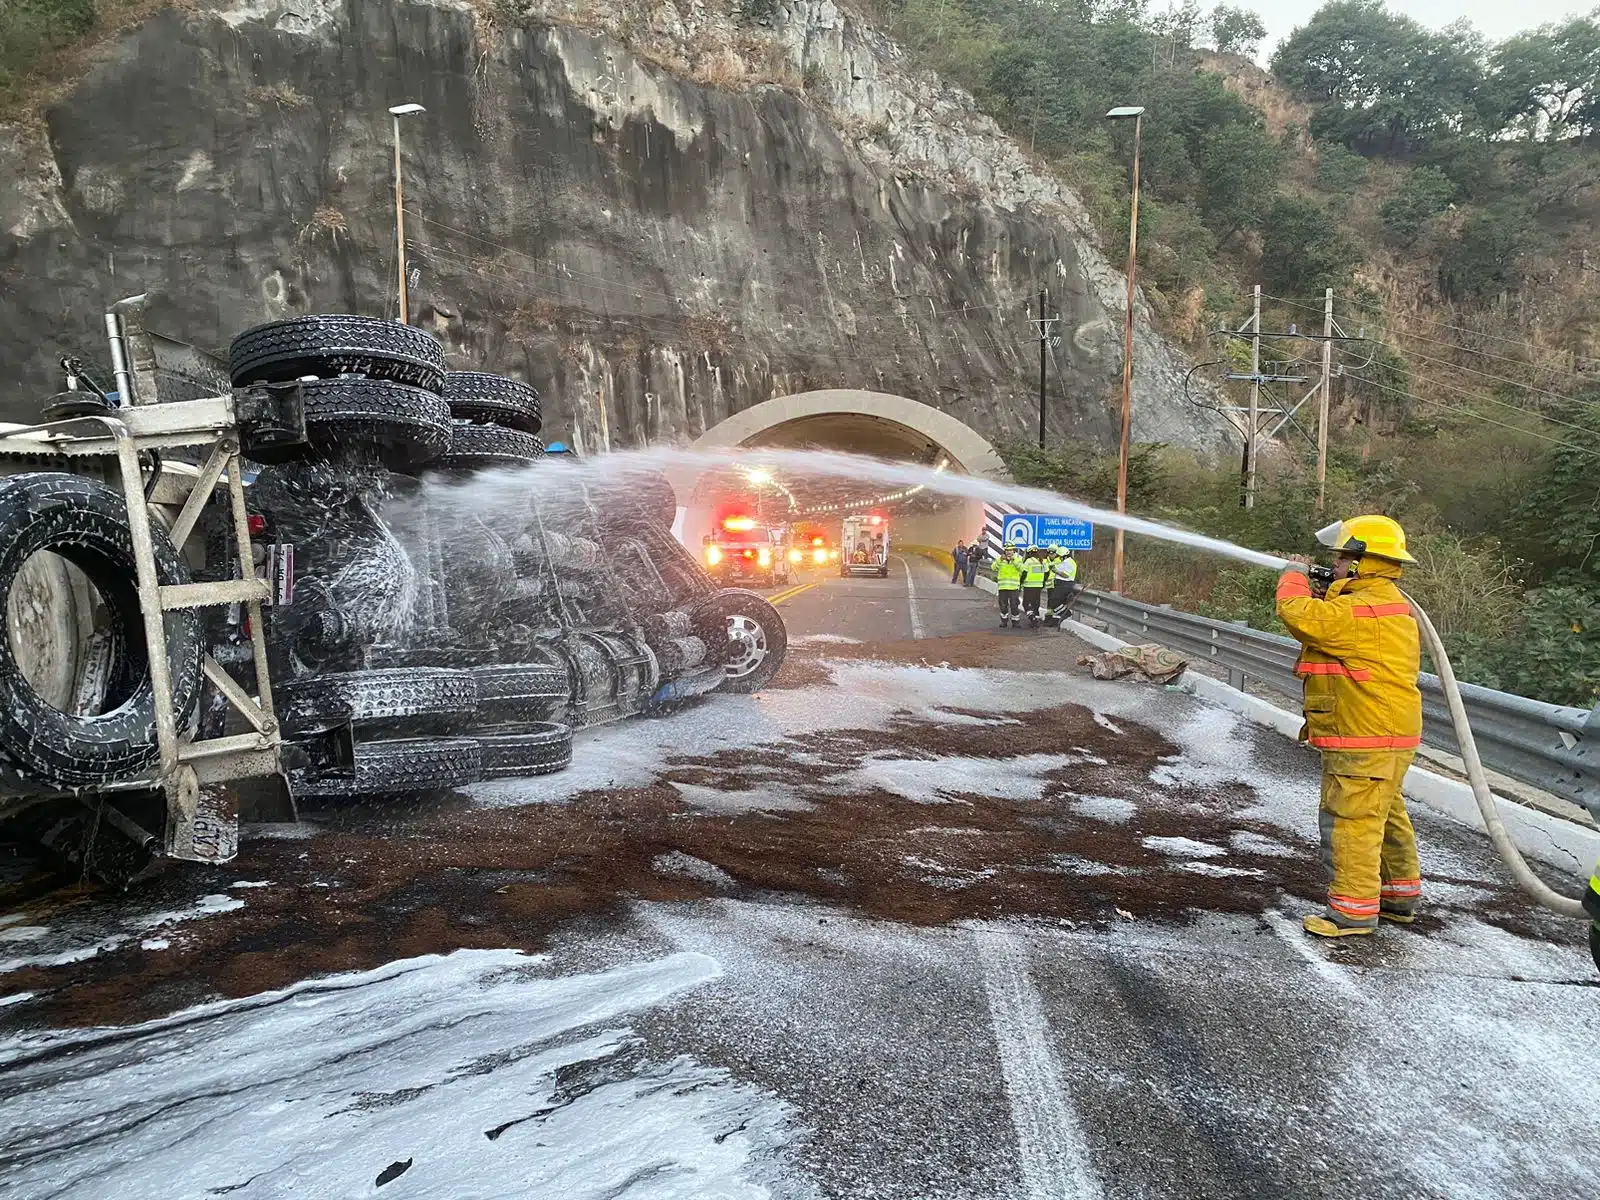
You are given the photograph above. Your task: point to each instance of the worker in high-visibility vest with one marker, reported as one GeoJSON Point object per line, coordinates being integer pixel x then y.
{"type": "Point", "coordinates": [1008, 583]}
{"type": "Point", "coordinates": [1591, 905]}
{"type": "Point", "coordinates": [1065, 588]}
{"type": "Point", "coordinates": [1033, 573]}
{"type": "Point", "coordinates": [1359, 659]}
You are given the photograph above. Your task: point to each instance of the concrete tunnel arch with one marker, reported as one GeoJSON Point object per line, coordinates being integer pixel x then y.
{"type": "Point", "coordinates": [867, 422]}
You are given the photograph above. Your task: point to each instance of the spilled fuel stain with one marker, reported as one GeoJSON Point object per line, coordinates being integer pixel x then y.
{"type": "Point", "coordinates": [898, 823]}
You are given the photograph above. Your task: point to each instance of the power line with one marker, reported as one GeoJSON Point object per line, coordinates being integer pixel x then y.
{"type": "Point", "coordinates": [1521, 362]}
{"type": "Point", "coordinates": [1510, 382]}
{"type": "Point", "coordinates": [1387, 320]}
{"type": "Point", "coordinates": [1485, 419]}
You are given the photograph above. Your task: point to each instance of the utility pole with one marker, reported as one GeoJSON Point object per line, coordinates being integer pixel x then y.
{"type": "Point", "coordinates": [398, 111]}
{"type": "Point", "coordinates": [1324, 399]}
{"type": "Point", "coordinates": [1044, 350]}
{"type": "Point", "coordinates": [1136, 111]}
{"type": "Point", "coordinates": [1255, 402]}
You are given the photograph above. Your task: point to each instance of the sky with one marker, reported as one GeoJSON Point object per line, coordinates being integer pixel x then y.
{"type": "Point", "coordinates": [1494, 18]}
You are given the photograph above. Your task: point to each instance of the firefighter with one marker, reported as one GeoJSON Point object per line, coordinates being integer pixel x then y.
{"type": "Point", "coordinates": [1033, 573]}
{"type": "Point", "coordinates": [1008, 582]}
{"type": "Point", "coordinates": [1359, 659]}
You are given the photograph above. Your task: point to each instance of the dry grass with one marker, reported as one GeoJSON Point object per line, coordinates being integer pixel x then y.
{"type": "Point", "coordinates": [279, 95]}
{"type": "Point", "coordinates": [708, 332]}
{"type": "Point", "coordinates": [529, 321]}
{"type": "Point", "coordinates": [326, 222]}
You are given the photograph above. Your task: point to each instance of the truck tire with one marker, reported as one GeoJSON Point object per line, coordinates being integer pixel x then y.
{"type": "Point", "coordinates": [397, 767]}
{"type": "Point", "coordinates": [486, 447]}
{"type": "Point", "coordinates": [744, 635]}
{"type": "Point", "coordinates": [393, 693]}
{"type": "Point", "coordinates": [493, 400]}
{"type": "Point", "coordinates": [512, 691]}
{"type": "Point", "coordinates": [330, 346]}
{"type": "Point", "coordinates": [86, 523]}
{"type": "Point", "coordinates": [541, 749]}
{"type": "Point", "coordinates": [407, 425]}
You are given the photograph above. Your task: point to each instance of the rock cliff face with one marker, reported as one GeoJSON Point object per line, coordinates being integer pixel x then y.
{"type": "Point", "coordinates": [656, 236]}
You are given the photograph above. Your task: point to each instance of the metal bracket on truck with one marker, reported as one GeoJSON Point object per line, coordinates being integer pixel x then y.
{"type": "Point", "coordinates": [201, 816]}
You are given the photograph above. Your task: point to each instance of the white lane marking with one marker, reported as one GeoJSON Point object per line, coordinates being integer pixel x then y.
{"type": "Point", "coordinates": [1052, 1154]}
{"type": "Point", "coordinates": [911, 600]}
{"type": "Point", "coordinates": [1299, 941]}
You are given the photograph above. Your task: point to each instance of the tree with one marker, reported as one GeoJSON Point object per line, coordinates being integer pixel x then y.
{"type": "Point", "coordinates": [1381, 83]}
{"type": "Point", "coordinates": [1548, 80]}
{"type": "Point", "coordinates": [1424, 194]}
{"type": "Point", "coordinates": [1487, 255]}
{"type": "Point", "coordinates": [1304, 250]}
{"type": "Point", "coordinates": [1239, 167]}
{"type": "Point", "coordinates": [1236, 30]}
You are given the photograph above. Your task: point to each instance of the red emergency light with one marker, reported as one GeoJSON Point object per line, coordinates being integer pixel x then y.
{"type": "Point", "coordinates": [738, 524]}
{"type": "Point", "coordinates": [816, 541]}
{"type": "Point", "coordinates": [876, 520]}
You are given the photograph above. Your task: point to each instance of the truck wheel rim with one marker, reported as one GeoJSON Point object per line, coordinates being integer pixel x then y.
{"type": "Point", "coordinates": [747, 645]}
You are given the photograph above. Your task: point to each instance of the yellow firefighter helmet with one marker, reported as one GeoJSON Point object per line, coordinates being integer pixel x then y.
{"type": "Point", "coordinates": [1380, 537]}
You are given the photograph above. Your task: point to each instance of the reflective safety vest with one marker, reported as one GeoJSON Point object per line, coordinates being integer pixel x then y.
{"type": "Point", "coordinates": [1033, 573]}
{"type": "Point", "coordinates": [1067, 569]}
{"type": "Point", "coordinates": [1359, 660]}
{"type": "Point", "coordinates": [1049, 572]}
{"type": "Point", "coordinates": [1008, 574]}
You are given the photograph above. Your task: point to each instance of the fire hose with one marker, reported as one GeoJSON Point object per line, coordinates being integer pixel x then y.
{"type": "Point", "coordinates": [1530, 883]}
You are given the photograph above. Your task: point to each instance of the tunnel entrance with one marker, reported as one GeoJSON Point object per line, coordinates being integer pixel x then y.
{"type": "Point", "coordinates": [855, 421]}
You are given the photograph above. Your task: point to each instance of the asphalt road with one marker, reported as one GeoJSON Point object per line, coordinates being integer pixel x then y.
{"type": "Point", "coordinates": [938, 916]}
{"type": "Point", "coordinates": [916, 601]}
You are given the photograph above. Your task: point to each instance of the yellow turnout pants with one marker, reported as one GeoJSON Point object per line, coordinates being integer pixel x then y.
{"type": "Point", "coordinates": [1368, 846]}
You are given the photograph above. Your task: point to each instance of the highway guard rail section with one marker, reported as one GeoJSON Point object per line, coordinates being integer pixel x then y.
{"type": "Point", "coordinates": [1549, 746]}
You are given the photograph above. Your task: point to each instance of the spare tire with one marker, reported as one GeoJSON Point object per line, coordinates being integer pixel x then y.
{"type": "Point", "coordinates": [493, 400]}
{"type": "Point", "coordinates": [330, 346]}
{"type": "Point", "coordinates": [540, 749]}
{"type": "Point", "coordinates": [744, 635]}
{"type": "Point", "coordinates": [388, 694]}
{"type": "Point", "coordinates": [485, 447]}
{"type": "Point", "coordinates": [86, 523]}
{"type": "Point", "coordinates": [406, 425]}
{"type": "Point", "coordinates": [396, 767]}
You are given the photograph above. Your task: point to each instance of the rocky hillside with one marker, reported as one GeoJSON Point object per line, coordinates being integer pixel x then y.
{"type": "Point", "coordinates": [658, 215]}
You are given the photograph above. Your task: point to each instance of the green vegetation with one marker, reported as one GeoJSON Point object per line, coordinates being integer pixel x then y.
{"type": "Point", "coordinates": [30, 29]}
{"type": "Point", "coordinates": [1446, 188]}
{"type": "Point", "coordinates": [1513, 583]}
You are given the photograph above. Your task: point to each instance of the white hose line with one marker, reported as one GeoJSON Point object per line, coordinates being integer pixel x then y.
{"type": "Point", "coordinates": [1565, 906]}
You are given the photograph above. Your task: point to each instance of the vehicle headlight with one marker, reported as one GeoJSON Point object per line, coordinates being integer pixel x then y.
{"type": "Point", "coordinates": [794, 556]}
{"type": "Point", "coordinates": [820, 555]}
{"type": "Point", "coordinates": [713, 555]}
{"type": "Point", "coordinates": [764, 557]}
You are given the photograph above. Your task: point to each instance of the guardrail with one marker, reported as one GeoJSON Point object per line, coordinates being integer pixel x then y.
{"type": "Point", "coordinates": [1550, 746]}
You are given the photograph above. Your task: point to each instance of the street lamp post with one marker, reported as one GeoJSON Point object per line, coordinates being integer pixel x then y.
{"type": "Point", "coordinates": [398, 111]}
{"type": "Point", "coordinates": [1121, 114]}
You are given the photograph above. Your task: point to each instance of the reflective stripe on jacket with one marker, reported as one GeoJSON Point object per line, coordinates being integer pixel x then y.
{"type": "Point", "coordinates": [1008, 574]}
{"type": "Point", "coordinates": [1033, 572]}
{"type": "Point", "coordinates": [1359, 658]}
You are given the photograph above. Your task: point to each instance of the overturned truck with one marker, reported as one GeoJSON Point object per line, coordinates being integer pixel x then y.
{"type": "Point", "coordinates": [328, 568]}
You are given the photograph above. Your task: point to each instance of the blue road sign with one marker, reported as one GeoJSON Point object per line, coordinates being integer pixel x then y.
{"type": "Point", "coordinates": [1041, 529]}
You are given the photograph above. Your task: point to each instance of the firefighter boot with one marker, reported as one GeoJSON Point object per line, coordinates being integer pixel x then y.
{"type": "Point", "coordinates": [1400, 912]}
{"type": "Point", "coordinates": [1330, 923]}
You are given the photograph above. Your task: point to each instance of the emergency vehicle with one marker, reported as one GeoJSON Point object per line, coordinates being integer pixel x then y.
{"type": "Point", "coordinates": [864, 546]}
{"type": "Point", "coordinates": [743, 550]}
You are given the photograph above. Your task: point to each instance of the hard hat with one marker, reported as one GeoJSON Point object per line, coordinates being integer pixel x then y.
{"type": "Point", "coordinates": [1378, 536]}
{"type": "Point", "coordinates": [1009, 546]}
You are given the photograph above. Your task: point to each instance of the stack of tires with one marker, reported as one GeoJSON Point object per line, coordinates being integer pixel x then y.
{"type": "Point", "coordinates": [381, 408]}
